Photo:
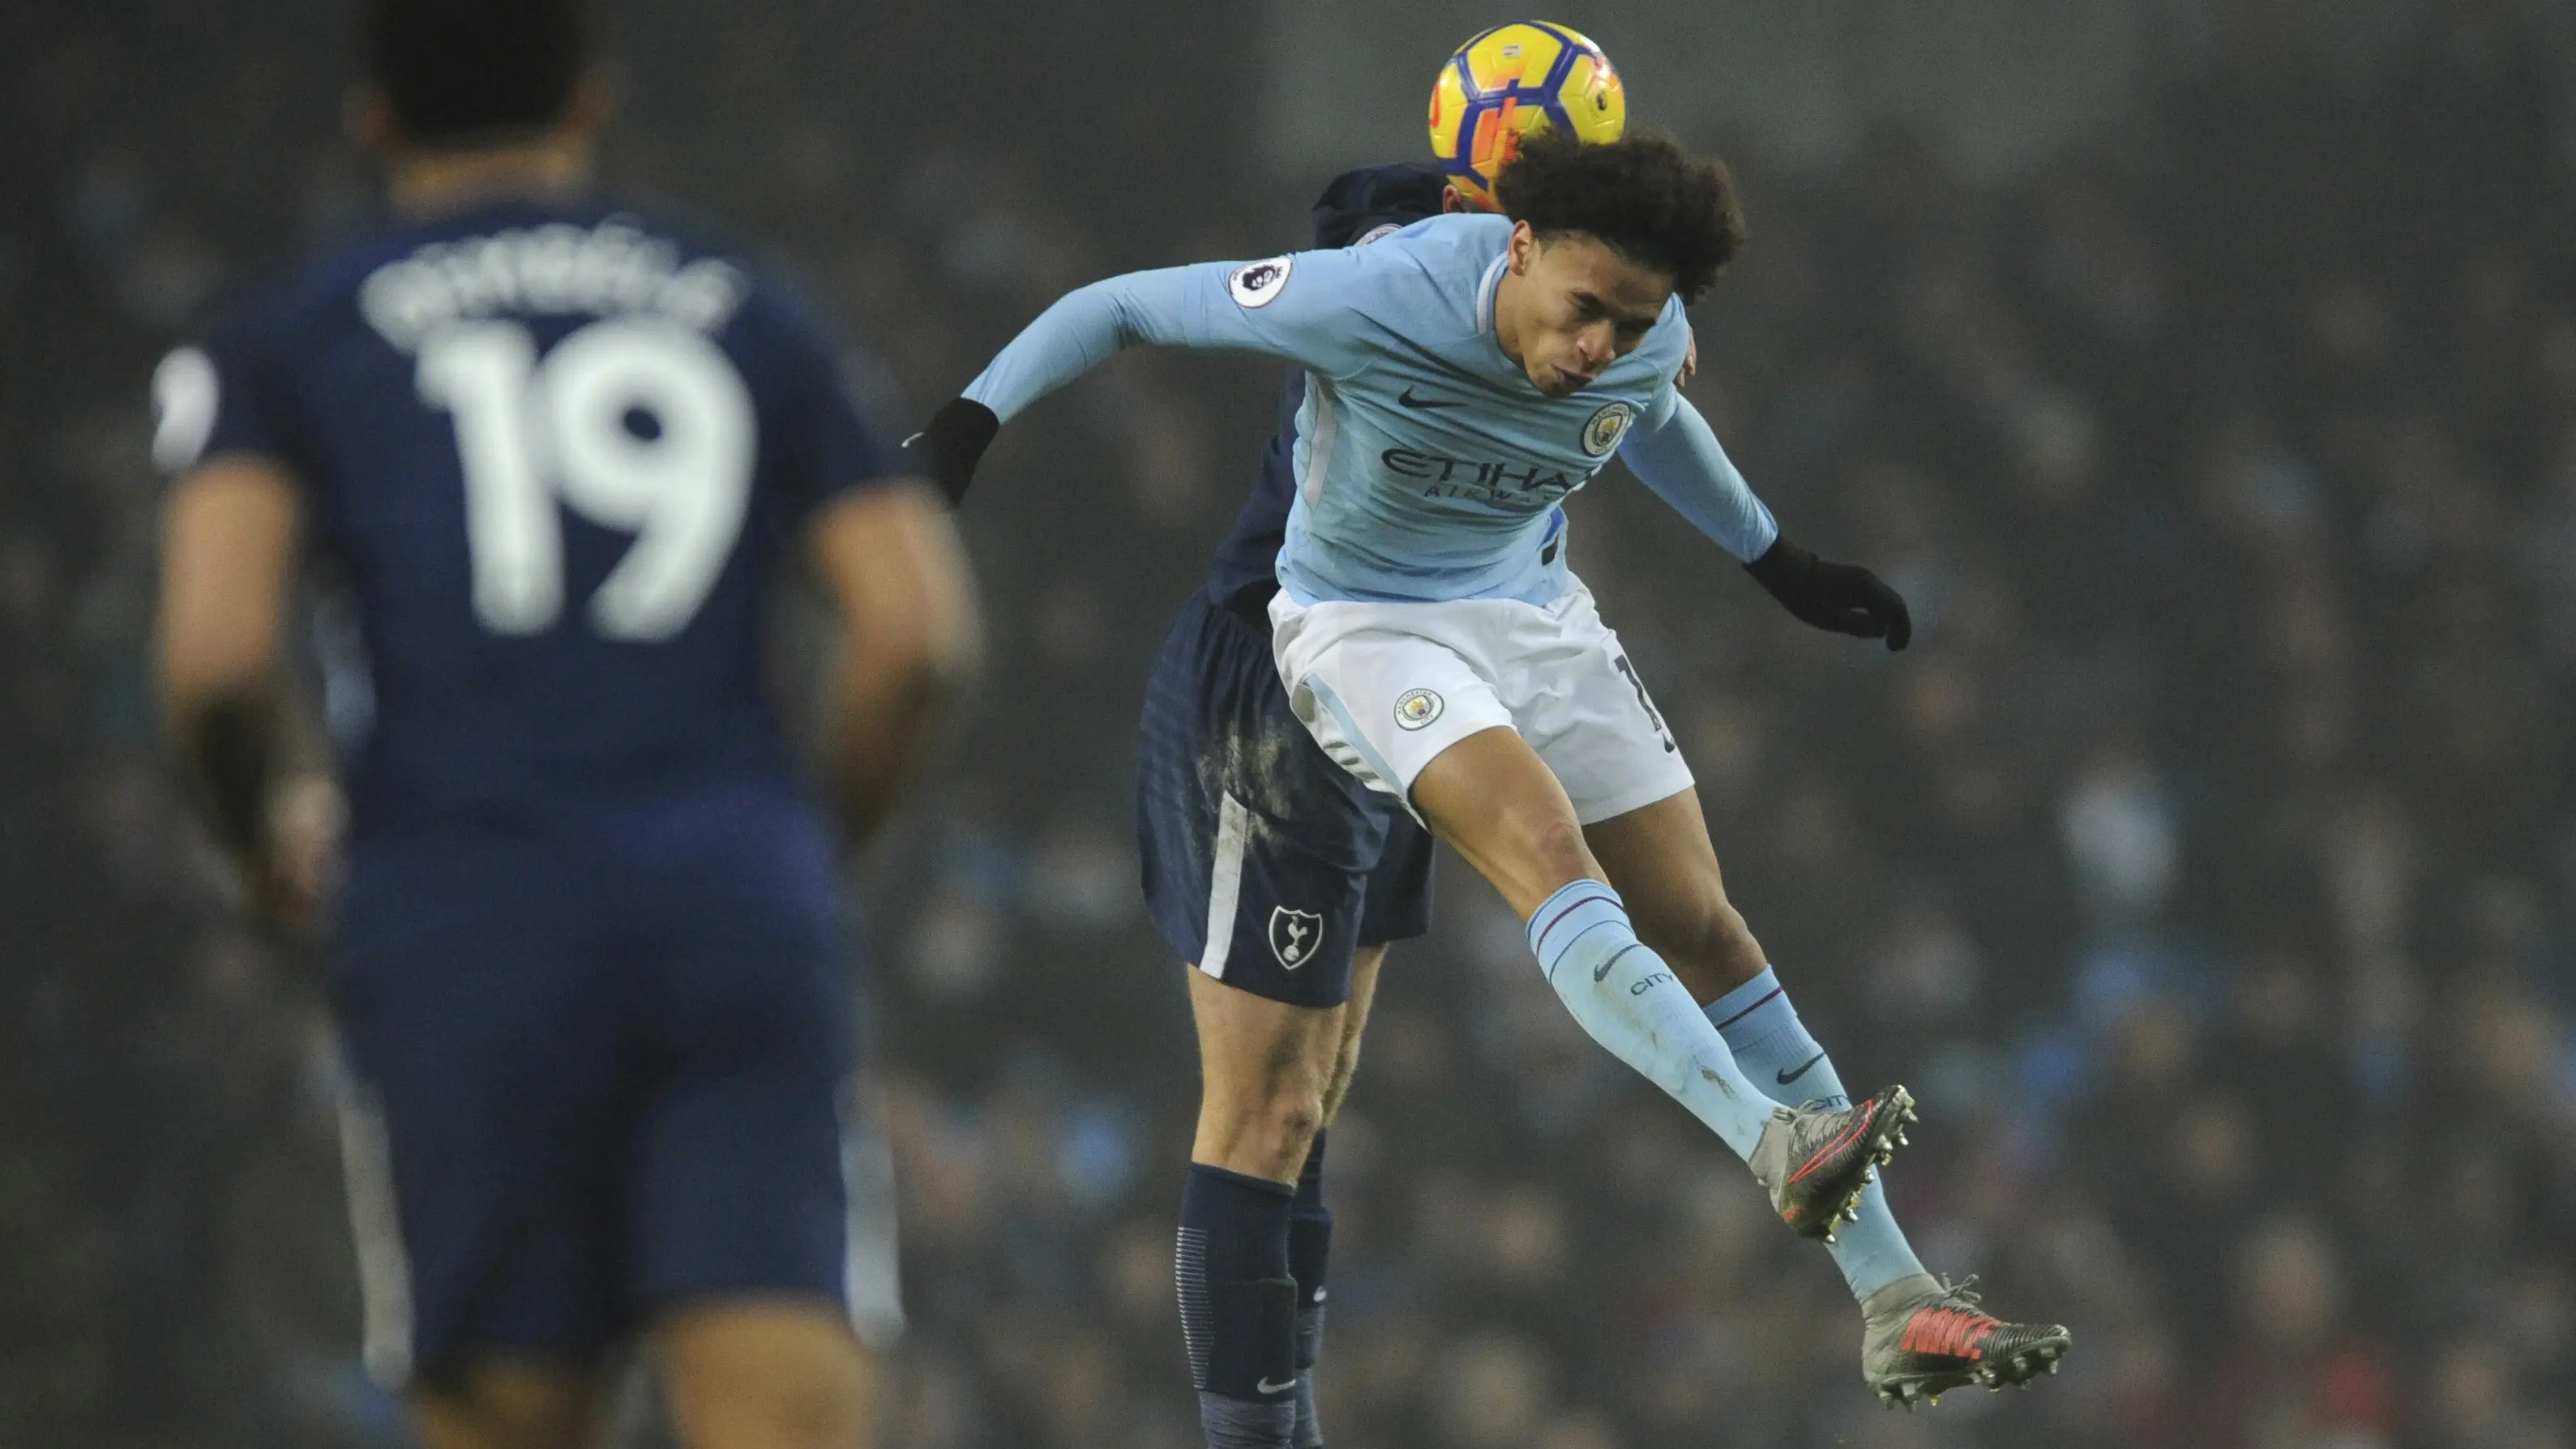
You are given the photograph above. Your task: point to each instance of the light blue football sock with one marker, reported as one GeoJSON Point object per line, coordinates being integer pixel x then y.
{"type": "Point", "coordinates": [1624, 995]}
{"type": "Point", "coordinates": [1772, 1046]}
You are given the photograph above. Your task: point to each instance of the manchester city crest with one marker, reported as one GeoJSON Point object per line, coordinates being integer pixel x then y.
{"type": "Point", "coordinates": [1415, 708]}
{"type": "Point", "coordinates": [1605, 430]}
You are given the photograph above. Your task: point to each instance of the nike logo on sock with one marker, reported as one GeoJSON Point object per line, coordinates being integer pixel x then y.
{"type": "Point", "coordinates": [1267, 1387]}
{"type": "Point", "coordinates": [1426, 403]}
{"type": "Point", "coordinates": [1785, 1078]}
{"type": "Point", "coordinates": [1602, 971]}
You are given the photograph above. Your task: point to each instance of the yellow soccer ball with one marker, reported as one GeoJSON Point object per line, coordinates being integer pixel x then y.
{"type": "Point", "coordinates": [1516, 80]}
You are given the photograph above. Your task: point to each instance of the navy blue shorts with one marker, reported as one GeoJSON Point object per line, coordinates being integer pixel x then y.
{"type": "Point", "coordinates": [1265, 863]}
{"type": "Point", "coordinates": [604, 1088]}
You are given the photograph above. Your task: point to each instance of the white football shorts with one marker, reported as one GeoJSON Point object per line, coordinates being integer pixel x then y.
{"type": "Point", "coordinates": [1384, 688]}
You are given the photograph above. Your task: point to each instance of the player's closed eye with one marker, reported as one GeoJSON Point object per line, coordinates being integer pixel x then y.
{"type": "Point", "coordinates": [1630, 330]}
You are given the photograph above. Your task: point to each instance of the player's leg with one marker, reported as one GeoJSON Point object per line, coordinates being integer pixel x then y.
{"type": "Point", "coordinates": [1660, 859]}
{"type": "Point", "coordinates": [738, 1141]}
{"type": "Point", "coordinates": [1255, 1236]}
{"type": "Point", "coordinates": [1264, 1066]}
{"type": "Point", "coordinates": [748, 1373]}
{"type": "Point", "coordinates": [468, 993]}
{"type": "Point", "coordinates": [1258, 853]}
{"type": "Point", "coordinates": [1346, 1055]}
{"type": "Point", "coordinates": [501, 1405]}
{"type": "Point", "coordinates": [1310, 1222]}
{"type": "Point", "coordinates": [1497, 804]}
{"type": "Point", "coordinates": [1404, 696]}
{"type": "Point", "coordinates": [1398, 908]}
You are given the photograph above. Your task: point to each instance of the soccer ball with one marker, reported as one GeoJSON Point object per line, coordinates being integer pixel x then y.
{"type": "Point", "coordinates": [1516, 80]}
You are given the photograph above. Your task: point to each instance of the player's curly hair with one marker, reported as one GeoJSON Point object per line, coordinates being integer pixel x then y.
{"type": "Point", "coordinates": [1643, 196]}
{"type": "Point", "coordinates": [464, 72]}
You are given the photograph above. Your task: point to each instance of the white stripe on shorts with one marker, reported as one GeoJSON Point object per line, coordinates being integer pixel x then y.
{"type": "Point", "coordinates": [1225, 884]}
{"type": "Point", "coordinates": [872, 1268]}
{"type": "Point", "coordinates": [375, 1224]}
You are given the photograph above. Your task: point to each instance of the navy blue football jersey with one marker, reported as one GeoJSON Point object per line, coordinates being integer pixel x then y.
{"type": "Point", "coordinates": [1355, 207]}
{"type": "Point", "coordinates": [555, 451]}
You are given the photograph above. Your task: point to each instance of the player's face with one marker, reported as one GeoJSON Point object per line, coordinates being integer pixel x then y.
{"type": "Point", "coordinates": [1577, 306]}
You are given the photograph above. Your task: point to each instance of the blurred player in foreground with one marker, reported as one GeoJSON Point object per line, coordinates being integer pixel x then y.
{"type": "Point", "coordinates": [1464, 375]}
{"type": "Point", "coordinates": [589, 954]}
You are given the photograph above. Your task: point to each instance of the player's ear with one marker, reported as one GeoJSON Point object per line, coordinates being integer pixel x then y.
{"type": "Point", "coordinates": [1522, 249]}
{"type": "Point", "coordinates": [1452, 201]}
{"type": "Point", "coordinates": [368, 117]}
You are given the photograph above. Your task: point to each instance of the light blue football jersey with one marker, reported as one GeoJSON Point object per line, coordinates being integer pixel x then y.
{"type": "Point", "coordinates": [1428, 466]}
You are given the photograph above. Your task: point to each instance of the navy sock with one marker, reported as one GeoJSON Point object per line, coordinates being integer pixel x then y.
{"type": "Point", "coordinates": [1239, 1307]}
{"type": "Point", "coordinates": [1310, 1249]}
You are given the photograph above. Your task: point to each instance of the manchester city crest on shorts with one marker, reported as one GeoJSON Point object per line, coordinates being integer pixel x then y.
{"type": "Point", "coordinates": [1415, 708]}
{"type": "Point", "coordinates": [1607, 427]}
{"type": "Point", "coordinates": [1255, 283]}
{"type": "Point", "coordinates": [1294, 935]}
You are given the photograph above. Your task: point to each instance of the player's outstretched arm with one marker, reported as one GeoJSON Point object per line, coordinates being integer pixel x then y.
{"type": "Point", "coordinates": [1292, 308]}
{"type": "Point", "coordinates": [891, 558]}
{"type": "Point", "coordinates": [1678, 456]}
{"type": "Point", "coordinates": [1675, 453]}
{"type": "Point", "coordinates": [229, 536]}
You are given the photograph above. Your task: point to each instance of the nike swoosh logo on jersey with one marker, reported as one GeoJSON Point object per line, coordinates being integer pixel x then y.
{"type": "Point", "coordinates": [1267, 1387]}
{"type": "Point", "coordinates": [1785, 1078]}
{"type": "Point", "coordinates": [1427, 403]}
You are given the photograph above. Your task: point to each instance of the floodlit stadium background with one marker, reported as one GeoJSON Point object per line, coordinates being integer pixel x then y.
{"type": "Point", "coordinates": [2205, 373]}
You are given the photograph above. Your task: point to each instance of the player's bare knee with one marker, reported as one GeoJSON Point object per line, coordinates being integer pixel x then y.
{"type": "Point", "coordinates": [1719, 932]}
{"type": "Point", "coordinates": [1294, 1122]}
{"type": "Point", "coordinates": [1266, 1121]}
{"type": "Point", "coordinates": [1291, 1112]}
{"type": "Point", "coordinates": [1739, 952]}
{"type": "Point", "coordinates": [1706, 941]}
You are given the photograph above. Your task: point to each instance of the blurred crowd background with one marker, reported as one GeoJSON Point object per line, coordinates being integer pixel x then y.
{"type": "Point", "coordinates": [2208, 867]}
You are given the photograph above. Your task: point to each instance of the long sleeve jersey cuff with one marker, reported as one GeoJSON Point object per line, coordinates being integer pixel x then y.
{"type": "Point", "coordinates": [1684, 465]}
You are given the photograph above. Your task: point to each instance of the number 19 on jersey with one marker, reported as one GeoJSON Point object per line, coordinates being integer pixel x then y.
{"type": "Point", "coordinates": [635, 423]}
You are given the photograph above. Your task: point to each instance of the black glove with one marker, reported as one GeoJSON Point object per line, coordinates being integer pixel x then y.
{"type": "Point", "coordinates": [949, 446]}
{"type": "Point", "coordinates": [1845, 598]}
